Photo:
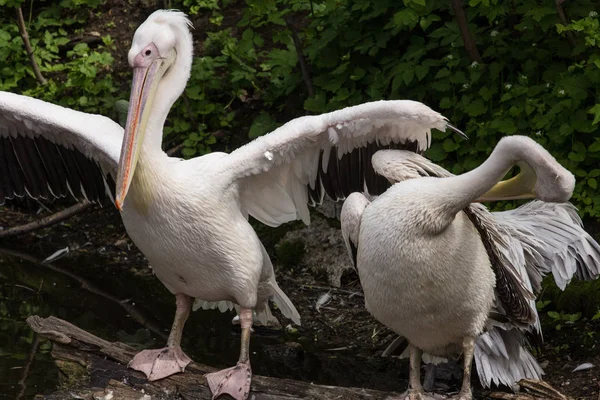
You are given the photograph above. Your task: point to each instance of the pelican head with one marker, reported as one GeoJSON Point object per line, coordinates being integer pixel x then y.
{"type": "Point", "coordinates": [520, 187]}
{"type": "Point", "coordinates": [540, 175]}
{"type": "Point", "coordinates": [160, 55]}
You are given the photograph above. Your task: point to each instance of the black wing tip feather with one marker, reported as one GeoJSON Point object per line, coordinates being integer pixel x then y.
{"type": "Point", "coordinates": [42, 169]}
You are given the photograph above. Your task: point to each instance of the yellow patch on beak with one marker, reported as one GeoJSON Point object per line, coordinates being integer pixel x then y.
{"type": "Point", "coordinates": [510, 189]}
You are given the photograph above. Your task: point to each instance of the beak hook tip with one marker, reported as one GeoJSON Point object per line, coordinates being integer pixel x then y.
{"type": "Point", "coordinates": [458, 131]}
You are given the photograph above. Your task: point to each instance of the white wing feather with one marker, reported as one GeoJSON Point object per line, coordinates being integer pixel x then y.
{"type": "Point", "coordinates": [502, 358]}
{"type": "Point", "coordinates": [276, 170]}
{"type": "Point", "coordinates": [399, 165]}
{"type": "Point", "coordinates": [554, 240]}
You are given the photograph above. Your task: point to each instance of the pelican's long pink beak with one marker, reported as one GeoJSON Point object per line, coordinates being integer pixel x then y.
{"type": "Point", "coordinates": [146, 64]}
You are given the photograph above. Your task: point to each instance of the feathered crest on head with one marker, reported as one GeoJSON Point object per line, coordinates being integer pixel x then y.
{"type": "Point", "coordinates": [174, 17]}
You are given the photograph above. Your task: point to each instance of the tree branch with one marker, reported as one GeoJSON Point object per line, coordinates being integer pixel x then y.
{"type": "Point", "coordinates": [461, 19]}
{"type": "Point", "coordinates": [25, 36]}
{"type": "Point", "coordinates": [563, 19]}
{"type": "Point", "coordinates": [301, 59]}
{"type": "Point", "coordinates": [46, 221]}
{"type": "Point", "coordinates": [175, 149]}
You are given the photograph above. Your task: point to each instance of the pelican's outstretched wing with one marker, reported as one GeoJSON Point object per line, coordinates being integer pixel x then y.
{"type": "Point", "coordinates": [282, 172]}
{"type": "Point", "coordinates": [49, 151]}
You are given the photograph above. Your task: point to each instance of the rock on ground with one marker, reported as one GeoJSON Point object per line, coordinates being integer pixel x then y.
{"type": "Point", "coordinates": [324, 247]}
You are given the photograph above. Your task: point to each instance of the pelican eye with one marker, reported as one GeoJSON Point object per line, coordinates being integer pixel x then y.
{"type": "Point", "coordinates": [148, 52]}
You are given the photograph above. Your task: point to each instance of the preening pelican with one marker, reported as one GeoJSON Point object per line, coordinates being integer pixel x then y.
{"type": "Point", "coordinates": [448, 275]}
{"type": "Point", "coordinates": [190, 218]}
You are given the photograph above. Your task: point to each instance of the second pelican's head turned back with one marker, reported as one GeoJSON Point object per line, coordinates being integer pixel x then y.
{"type": "Point", "coordinates": [540, 175]}
{"type": "Point", "coordinates": [161, 57]}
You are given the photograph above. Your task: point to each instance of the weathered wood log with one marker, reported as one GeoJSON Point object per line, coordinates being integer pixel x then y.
{"type": "Point", "coordinates": [83, 357]}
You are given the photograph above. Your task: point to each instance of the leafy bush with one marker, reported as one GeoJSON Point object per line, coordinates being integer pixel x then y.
{"type": "Point", "coordinates": [80, 79]}
{"type": "Point", "coordinates": [536, 75]}
{"type": "Point", "coordinates": [534, 72]}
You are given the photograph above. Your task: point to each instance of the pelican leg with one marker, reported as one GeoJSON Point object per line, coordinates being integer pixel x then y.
{"type": "Point", "coordinates": [468, 349]}
{"type": "Point", "coordinates": [235, 381]}
{"type": "Point", "coordinates": [160, 363]}
{"type": "Point", "coordinates": [415, 389]}
{"type": "Point", "coordinates": [262, 317]}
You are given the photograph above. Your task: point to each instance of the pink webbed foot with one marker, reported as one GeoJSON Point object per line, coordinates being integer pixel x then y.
{"type": "Point", "coordinates": [158, 364]}
{"type": "Point", "coordinates": [234, 381]}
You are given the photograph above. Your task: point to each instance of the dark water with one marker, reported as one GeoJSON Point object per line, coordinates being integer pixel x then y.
{"type": "Point", "coordinates": [122, 305]}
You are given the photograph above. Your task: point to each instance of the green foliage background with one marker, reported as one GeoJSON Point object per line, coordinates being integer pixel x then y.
{"type": "Point", "coordinates": [537, 75]}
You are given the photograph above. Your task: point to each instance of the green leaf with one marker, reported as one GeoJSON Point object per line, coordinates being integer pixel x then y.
{"type": "Point", "coordinates": [436, 152]}
{"type": "Point", "coordinates": [408, 76]}
{"type": "Point", "coordinates": [359, 73]}
{"type": "Point", "coordinates": [316, 103]}
{"type": "Point", "coordinates": [441, 86]}
{"type": "Point", "coordinates": [594, 147]}
{"type": "Point", "coordinates": [442, 73]}
{"type": "Point", "coordinates": [554, 315]}
{"type": "Point", "coordinates": [425, 22]}
{"type": "Point", "coordinates": [504, 125]}
{"type": "Point", "coordinates": [580, 172]}
{"type": "Point", "coordinates": [579, 147]}
{"type": "Point", "coordinates": [446, 103]}
{"type": "Point", "coordinates": [578, 157]}
{"type": "Point", "coordinates": [450, 145]}
{"type": "Point", "coordinates": [596, 111]}
{"type": "Point", "coordinates": [594, 173]}
{"type": "Point", "coordinates": [396, 83]}
{"type": "Point", "coordinates": [574, 317]}
{"type": "Point", "coordinates": [421, 71]}
{"type": "Point", "coordinates": [406, 18]}
{"type": "Point", "coordinates": [188, 152]}
{"type": "Point", "coordinates": [486, 93]}
{"type": "Point", "coordinates": [476, 108]}
{"type": "Point", "coordinates": [565, 130]}
{"type": "Point", "coordinates": [262, 124]}
{"type": "Point", "coordinates": [495, 69]}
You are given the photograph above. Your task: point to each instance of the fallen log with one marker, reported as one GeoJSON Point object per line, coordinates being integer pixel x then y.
{"type": "Point", "coordinates": [93, 368]}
